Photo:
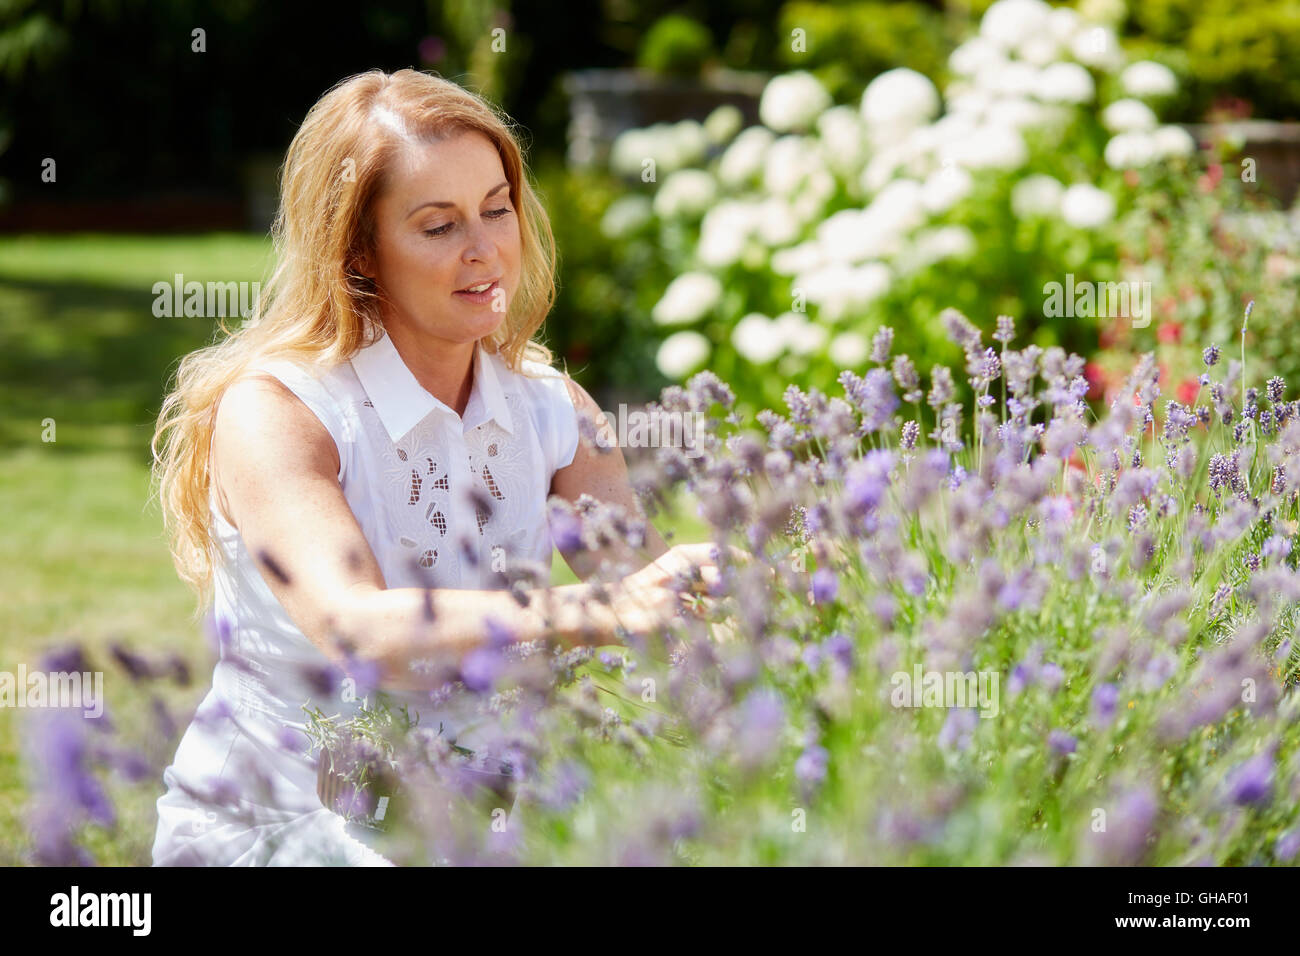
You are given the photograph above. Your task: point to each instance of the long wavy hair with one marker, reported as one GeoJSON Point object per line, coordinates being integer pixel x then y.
{"type": "Point", "coordinates": [316, 308]}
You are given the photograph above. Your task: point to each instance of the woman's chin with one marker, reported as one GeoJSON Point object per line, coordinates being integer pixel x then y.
{"type": "Point", "coordinates": [477, 324]}
{"type": "Point", "coordinates": [463, 326]}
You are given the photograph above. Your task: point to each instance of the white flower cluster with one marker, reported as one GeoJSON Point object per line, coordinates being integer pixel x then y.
{"type": "Point", "coordinates": [1139, 140]}
{"type": "Point", "coordinates": [1081, 206]}
{"type": "Point", "coordinates": [905, 160]}
{"type": "Point", "coordinates": [671, 146]}
{"type": "Point", "coordinates": [792, 102]}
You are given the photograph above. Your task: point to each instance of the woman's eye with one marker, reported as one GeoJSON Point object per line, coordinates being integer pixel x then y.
{"type": "Point", "coordinates": [491, 214]}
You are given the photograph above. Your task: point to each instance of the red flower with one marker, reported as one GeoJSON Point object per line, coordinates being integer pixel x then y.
{"type": "Point", "coordinates": [1188, 390]}
{"type": "Point", "coordinates": [1170, 332]}
{"type": "Point", "coordinates": [1210, 178]}
{"type": "Point", "coordinates": [1097, 379]}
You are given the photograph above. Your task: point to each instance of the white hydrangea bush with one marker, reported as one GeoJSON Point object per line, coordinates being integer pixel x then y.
{"type": "Point", "coordinates": [793, 240]}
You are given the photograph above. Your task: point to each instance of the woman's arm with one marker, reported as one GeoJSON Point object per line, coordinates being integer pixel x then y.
{"type": "Point", "coordinates": [602, 473]}
{"type": "Point", "coordinates": [275, 468]}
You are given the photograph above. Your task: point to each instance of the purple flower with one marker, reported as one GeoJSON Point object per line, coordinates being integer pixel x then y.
{"type": "Point", "coordinates": [876, 399]}
{"type": "Point", "coordinates": [1051, 677]}
{"type": "Point", "coordinates": [941, 386]}
{"type": "Point", "coordinates": [1251, 781]}
{"type": "Point", "coordinates": [1061, 742]}
{"type": "Point", "coordinates": [959, 728]}
{"type": "Point", "coordinates": [705, 390]}
{"type": "Point", "coordinates": [913, 574]}
{"type": "Point", "coordinates": [824, 586]}
{"type": "Point", "coordinates": [960, 329]}
{"type": "Point", "coordinates": [1277, 546]}
{"type": "Point", "coordinates": [287, 738]}
{"type": "Point", "coordinates": [65, 660]}
{"type": "Point", "coordinates": [885, 608]}
{"type": "Point", "coordinates": [499, 635]}
{"type": "Point", "coordinates": [137, 667]}
{"type": "Point", "coordinates": [1287, 846]}
{"type": "Point", "coordinates": [867, 482]}
{"type": "Point", "coordinates": [810, 768]}
{"type": "Point", "coordinates": [364, 673]}
{"type": "Point", "coordinates": [1159, 669]}
{"type": "Point", "coordinates": [1104, 699]}
{"type": "Point", "coordinates": [1057, 510]}
{"type": "Point", "coordinates": [480, 669]}
{"type": "Point", "coordinates": [1211, 355]}
{"type": "Point", "coordinates": [881, 344]}
{"type": "Point", "coordinates": [840, 649]}
{"type": "Point", "coordinates": [566, 530]}
{"type": "Point", "coordinates": [1122, 840]}
{"type": "Point", "coordinates": [907, 378]}
{"type": "Point", "coordinates": [761, 720]}
{"type": "Point", "coordinates": [324, 679]}
{"type": "Point", "coordinates": [68, 791]}
{"type": "Point", "coordinates": [1020, 679]}
{"type": "Point", "coordinates": [131, 765]}
{"type": "Point", "coordinates": [566, 785]}
{"type": "Point", "coordinates": [1019, 590]}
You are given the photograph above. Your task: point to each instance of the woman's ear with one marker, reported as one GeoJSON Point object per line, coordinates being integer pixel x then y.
{"type": "Point", "coordinates": [363, 267]}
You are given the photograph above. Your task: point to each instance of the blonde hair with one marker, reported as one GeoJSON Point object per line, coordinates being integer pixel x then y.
{"type": "Point", "coordinates": [316, 308]}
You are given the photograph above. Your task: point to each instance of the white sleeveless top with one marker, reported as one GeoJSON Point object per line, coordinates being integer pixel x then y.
{"type": "Point", "coordinates": [407, 464]}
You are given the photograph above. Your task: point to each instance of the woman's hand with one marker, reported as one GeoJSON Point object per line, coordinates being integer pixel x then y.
{"type": "Point", "coordinates": [652, 598]}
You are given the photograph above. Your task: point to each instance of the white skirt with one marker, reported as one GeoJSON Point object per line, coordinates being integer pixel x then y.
{"type": "Point", "coordinates": [292, 828]}
{"type": "Point", "coordinates": [193, 835]}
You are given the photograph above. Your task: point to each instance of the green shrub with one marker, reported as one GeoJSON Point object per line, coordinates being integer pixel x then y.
{"type": "Point", "coordinates": [676, 46]}
{"type": "Point", "coordinates": [845, 46]}
{"type": "Point", "coordinates": [1245, 48]}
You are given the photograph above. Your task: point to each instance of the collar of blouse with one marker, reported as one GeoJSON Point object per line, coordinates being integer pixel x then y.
{"type": "Point", "coordinates": [402, 402]}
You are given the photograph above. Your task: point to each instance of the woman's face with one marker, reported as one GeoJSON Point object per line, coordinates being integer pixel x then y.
{"type": "Point", "coordinates": [445, 224]}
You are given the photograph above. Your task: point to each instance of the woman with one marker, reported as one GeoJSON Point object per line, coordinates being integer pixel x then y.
{"type": "Point", "coordinates": [357, 476]}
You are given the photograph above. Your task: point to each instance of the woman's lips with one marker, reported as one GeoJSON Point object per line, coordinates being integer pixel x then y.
{"type": "Point", "coordinates": [479, 298]}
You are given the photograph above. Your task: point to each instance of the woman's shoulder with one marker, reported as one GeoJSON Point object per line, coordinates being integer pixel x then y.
{"type": "Point", "coordinates": [334, 387]}
{"type": "Point", "coordinates": [328, 392]}
{"type": "Point", "coordinates": [538, 381]}
{"type": "Point", "coordinates": [531, 369]}
{"type": "Point", "coordinates": [552, 405]}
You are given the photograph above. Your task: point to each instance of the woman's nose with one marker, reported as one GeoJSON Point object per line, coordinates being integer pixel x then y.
{"type": "Point", "coordinates": [479, 245]}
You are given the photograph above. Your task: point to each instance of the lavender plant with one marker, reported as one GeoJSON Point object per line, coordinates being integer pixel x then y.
{"type": "Point", "coordinates": [1029, 634]}
{"type": "Point", "coordinates": [1125, 582]}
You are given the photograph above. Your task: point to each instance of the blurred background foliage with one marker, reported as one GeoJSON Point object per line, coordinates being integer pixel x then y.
{"type": "Point", "coordinates": [113, 89]}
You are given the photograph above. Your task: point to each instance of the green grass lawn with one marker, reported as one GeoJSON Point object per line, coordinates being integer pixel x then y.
{"type": "Point", "coordinates": [82, 557]}
{"type": "Point", "coordinates": [82, 554]}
